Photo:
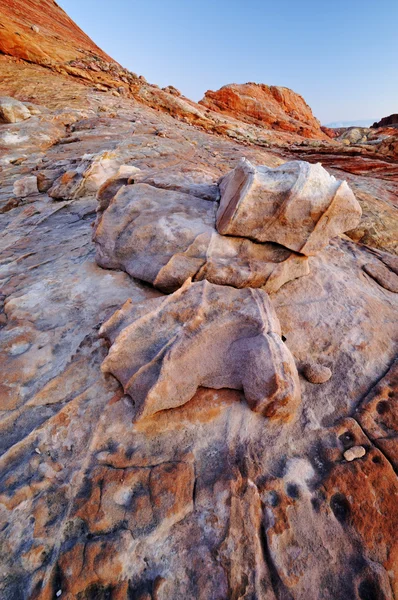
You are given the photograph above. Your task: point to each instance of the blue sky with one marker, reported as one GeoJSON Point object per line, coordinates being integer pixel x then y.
{"type": "Point", "coordinates": [340, 55]}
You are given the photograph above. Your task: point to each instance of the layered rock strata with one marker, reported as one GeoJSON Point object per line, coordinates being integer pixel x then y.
{"type": "Point", "coordinates": [298, 205]}
{"type": "Point", "coordinates": [203, 335]}
{"type": "Point", "coordinates": [272, 107]}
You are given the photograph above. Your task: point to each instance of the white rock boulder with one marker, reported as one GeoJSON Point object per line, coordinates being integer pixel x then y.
{"type": "Point", "coordinates": [297, 205]}
{"type": "Point", "coordinates": [12, 110]}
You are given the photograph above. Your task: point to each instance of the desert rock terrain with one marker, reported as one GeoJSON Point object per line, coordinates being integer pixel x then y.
{"type": "Point", "coordinates": [187, 414]}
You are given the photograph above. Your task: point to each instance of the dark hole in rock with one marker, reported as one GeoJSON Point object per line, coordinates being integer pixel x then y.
{"type": "Point", "coordinates": [96, 592]}
{"type": "Point", "coordinates": [340, 507]}
{"type": "Point", "coordinates": [273, 498]}
{"type": "Point", "coordinates": [382, 407]}
{"type": "Point", "coordinates": [376, 460]}
{"type": "Point", "coordinates": [293, 490]}
{"type": "Point", "coordinates": [316, 504]}
{"type": "Point", "coordinates": [368, 590]}
{"type": "Point", "coordinates": [347, 438]}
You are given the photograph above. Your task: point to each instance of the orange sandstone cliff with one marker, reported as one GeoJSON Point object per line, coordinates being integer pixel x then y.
{"type": "Point", "coordinates": [271, 107]}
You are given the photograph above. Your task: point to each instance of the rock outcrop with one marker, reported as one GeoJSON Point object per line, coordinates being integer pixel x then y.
{"type": "Point", "coordinates": [12, 111]}
{"type": "Point", "coordinates": [220, 336]}
{"type": "Point", "coordinates": [210, 499]}
{"type": "Point", "coordinates": [41, 32]}
{"type": "Point", "coordinates": [391, 120]}
{"type": "Point", "coordinates": [271, 107]}
{"type": "Point", "coordinates": [164, 237]}
{"type": "Point", "coordinates": [297, 205]}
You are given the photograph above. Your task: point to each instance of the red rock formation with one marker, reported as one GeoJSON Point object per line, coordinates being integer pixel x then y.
{"type": "Point", "coordinates": [41, 32]}
{"type": "Point", "coordinates": [386, 121]}
{"type": "Point", "coordinates": [272, 107]}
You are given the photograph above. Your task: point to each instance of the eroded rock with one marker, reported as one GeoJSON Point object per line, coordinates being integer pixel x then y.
{"type": "Point", "coordinates": [382, 274]}
{"type": "Point", "coordinates": [12, 110]}
{"type": "Point", "coordinates": [354, 453]}
{"type": "Point", "coordinates": [316, 373]}
{"type": "Point", "coordinates": [163, 237]}
{"type": "Point", "coordinates": [297, 204]}
{"type": "Point", "coordinates": [26, 186]}
{"type": "Point", "coordinates": [211, 499]}
{"type": "Point", "coordinates": [203, 335]}
{"type": "Point", "coordinates": [88, 177]}
{"type": "Point", "coordinates": [111, 186]}
{"type": "Point", "coordinates": [195, 183]}
{"type": "Point", "coordinates": [273, 107]}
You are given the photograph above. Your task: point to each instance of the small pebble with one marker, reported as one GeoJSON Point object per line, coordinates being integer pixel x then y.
{"type": "Point", "coordinates": [37, 451]}
{"type": "Point", "coordinates": [316, 373]}
{"type": "Point", "coordinates": [354, 452]}
{"type": "Point", "coordinates": [58, 593]}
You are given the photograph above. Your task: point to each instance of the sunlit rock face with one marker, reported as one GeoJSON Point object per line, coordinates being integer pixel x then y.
{"type": "Point", "coordinates": [272, 107]}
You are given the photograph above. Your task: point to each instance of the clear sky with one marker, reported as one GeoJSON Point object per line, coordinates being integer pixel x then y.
{"type": "Point", "coordinates": [340, 55]}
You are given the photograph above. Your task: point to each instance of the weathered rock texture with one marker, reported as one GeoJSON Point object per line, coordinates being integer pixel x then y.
{"type": "Point", "coordinates": [209, 500]}
{"type": "Point", "coordinates": [163, 237]}
{"type": "Point", "coordinates": [297, 205]}
{"type": "Point", "coordinates": [222, 337]}
{"type": "Point", "coordinates": [386, 121]}
{"type": "Point", "coordinates": [272, 107]}
{"type": "Point", "coordinates": [58, 38]}
{"type": "Point", "coordinates": [12, 111]}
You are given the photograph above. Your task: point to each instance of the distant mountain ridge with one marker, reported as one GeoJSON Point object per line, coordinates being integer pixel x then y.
{"type": "Point", "coordinates": [360, 123]}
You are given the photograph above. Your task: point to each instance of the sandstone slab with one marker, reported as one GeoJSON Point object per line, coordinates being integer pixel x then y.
{"type": "Point", "coordinates": [297, 204]}
{"type": "Point", "coordinates": [383, 275]}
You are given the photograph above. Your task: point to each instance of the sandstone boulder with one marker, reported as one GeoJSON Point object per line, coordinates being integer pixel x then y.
{"type": "Point", "coordinates": [163, 237]}
{"type": "Point", "coordinates": [195, 183]}
{"type": "Point", "coordinates": [88, 177]}
{"type": "Point", "coordinates": [26, 186]}
{"type": "Point", "coordinates": [316, 373]}
{"type": "Point", "coordinates": [355, 135]}
{"type": "Point", "coordinates": [297, 204]}
{"type": "Point", "coordinates": [203, 335]}
{"type": "Point", "coordinates": [12, 111]}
